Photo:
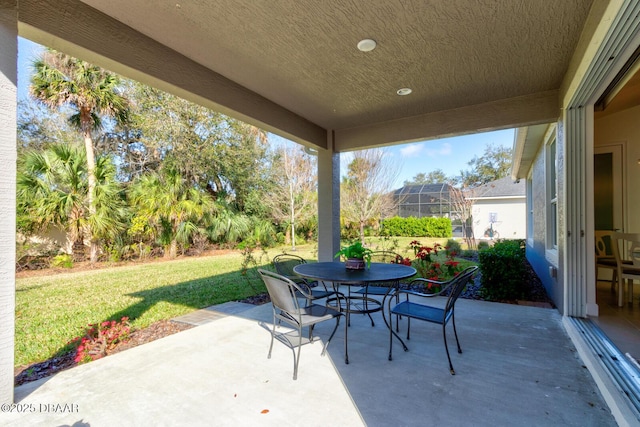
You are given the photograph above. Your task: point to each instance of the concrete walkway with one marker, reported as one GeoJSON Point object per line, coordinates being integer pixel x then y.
{"type": "Point", "coordinates": [518, 368]}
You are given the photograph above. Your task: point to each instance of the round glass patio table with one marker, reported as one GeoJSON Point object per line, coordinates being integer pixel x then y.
{"type": "Point", "coordinates": [338, 274]}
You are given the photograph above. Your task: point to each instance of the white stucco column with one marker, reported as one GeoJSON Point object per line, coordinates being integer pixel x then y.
{"type": "Point", "coordinates": [8, 104]}
{"type": "Point", "coordinates": [328, 204]}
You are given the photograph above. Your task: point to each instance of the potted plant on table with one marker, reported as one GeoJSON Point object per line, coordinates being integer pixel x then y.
{"type": "Point", "coordinates": [356, 256]}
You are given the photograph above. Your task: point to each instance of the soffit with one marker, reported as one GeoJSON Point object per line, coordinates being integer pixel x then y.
{"type": "Point", "coordinates": [302, 55]}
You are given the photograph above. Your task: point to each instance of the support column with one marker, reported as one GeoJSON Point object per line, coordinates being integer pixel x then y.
{"type": "Point", "coordinates": [328, 202]}
{"type": "Point", "coordinates": [8, 106]}
{"type": "Point", "coordinates": [573, 256]}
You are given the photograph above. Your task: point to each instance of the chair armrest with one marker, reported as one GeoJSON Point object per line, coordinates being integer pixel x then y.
{"type": "Point", "coordinates": [421, 294]}
{"type": "Point", "coordinates": [443, 287]}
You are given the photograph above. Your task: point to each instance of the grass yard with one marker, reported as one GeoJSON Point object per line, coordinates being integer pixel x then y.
{"type": "Point", "coordinates": [53, 309]}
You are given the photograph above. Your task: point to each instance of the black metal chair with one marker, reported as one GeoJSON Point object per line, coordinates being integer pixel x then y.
{"type": "Point", "coordinates": [383, 257]}
{"type": "Point", "coordinates": [284, 299]}
{"type": "Point", "coordinates": [284, 264]}
{"type": "Point", "coordinates": [414, 310]}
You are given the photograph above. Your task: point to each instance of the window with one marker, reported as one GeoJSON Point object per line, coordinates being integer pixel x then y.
{"type": "Point", "coordinates": [552, 196]}
{"type": "Point", "coordinates": [530, 211]}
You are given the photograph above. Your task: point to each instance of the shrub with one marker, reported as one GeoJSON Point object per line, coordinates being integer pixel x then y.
{"type": "Point", "coordinates": [482, 245]}
{"type": "Point", "coordinates": [62, 261]}
{"type": "Point", "coordinates": [100, 338]}
{"type": "Point", "coordinates": [453, 247]}
{"type": "Point", "coordinates": [429, 266]}
{"type": "Point", "coordinates": [503, 270]}
{"type": "Point", "coordinates": [469, 253]}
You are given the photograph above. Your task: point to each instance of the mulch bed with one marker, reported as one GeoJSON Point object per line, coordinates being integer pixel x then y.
{"type": "Point", "coordinates": [49, 367]}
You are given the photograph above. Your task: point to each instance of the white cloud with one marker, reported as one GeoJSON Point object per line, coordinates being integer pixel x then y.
{"type": "Point", "coordinates": [411, 150]}
{"type": "Point", "coordinates": [443, 150]}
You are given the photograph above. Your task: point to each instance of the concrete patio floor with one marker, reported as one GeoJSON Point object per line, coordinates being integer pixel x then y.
{"type": "Point", "coordinates": [518, 368]}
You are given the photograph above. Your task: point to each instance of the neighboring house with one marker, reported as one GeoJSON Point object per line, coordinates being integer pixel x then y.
{"type": "Point", "coordinates": [499, 210]}
{"type": "Point", "coordinates": [52, 240]}
{"type": "Point", "coordinates": [501, 201]}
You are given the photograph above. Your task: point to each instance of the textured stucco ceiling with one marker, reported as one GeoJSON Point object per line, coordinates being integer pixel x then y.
{"type": "Point", "coordinates": [302, 54]}
{"type": "Point", "coordinates": [292, 66]}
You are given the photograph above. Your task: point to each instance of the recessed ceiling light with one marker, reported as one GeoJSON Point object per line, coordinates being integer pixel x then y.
{"type": "Point", "coordinates": [404, 91]}
{"type": "Point", "coordinates": [367, 45]}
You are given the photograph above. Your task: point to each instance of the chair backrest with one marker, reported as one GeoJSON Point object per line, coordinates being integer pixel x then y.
{"type": "Point", "coordinates": [386, 257]}
{"type": "Point", "coordinates": [626, 247]}
{"type": "Point", "coordinates": [284, 264]}
{"type": "Point", "coordinates": [282, 291]}
{"type": "Point", "coordinates": [460, 281]}
{"type": "Point", "coordinates": [604, 243]}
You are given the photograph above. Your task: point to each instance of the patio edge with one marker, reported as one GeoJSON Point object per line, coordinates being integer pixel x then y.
{"type": "Point", "coordinates": [618, 403]}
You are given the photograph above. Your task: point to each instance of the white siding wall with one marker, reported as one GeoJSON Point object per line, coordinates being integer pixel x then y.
{"type": "Point", "coordinates": [511, 216]}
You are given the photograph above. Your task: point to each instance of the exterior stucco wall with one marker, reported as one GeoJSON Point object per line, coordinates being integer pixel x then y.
{"type": "Point", "coordinates": [8, 82]}
{"type": "Point", "coordinates": [624, 127]}
{"type": "Point", "coordinates": [557, 284]}
{"type": "Point", "coordinates": [511, 217]}
{"type": "Point", "coordinates": [539, 257]}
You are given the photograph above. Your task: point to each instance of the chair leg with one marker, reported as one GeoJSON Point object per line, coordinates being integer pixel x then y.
{"type": "Point", "coordinates": [455, 332]}
{"type": "Point", "coordinates": [346, 333]}
{"type": "Point", "coordinates": [391, 334]}
{"type": "Point", "coordinates": [296, 360]}
{"type": "Point", "coordinates": [620, 291]}
{"type": "Point", "coordinates": [273, 333]}
{"type": "Point", "coordinates": [446, 348]}
{"type": "Point", "coordinates": [324, 348]}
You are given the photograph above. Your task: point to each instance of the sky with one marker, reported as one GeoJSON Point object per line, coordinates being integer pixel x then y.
{"type": "Point", "coordinates": [450, 154]}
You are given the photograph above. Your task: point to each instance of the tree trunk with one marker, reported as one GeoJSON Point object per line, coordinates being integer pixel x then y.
{"type": "Point", "coordinates": [91, 177]}
{"type": "Point", "coordinates": [362, 232]}
{"type": "Point", "coordinates": [293, 236]}
{"type": "Point", "coordinates": [173, 249]}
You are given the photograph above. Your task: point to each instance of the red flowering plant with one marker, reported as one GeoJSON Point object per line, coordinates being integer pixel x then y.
{"type": "Point", "coordinates": [99, 338]}
{"type": "Point", "coordinates": [429, 265]}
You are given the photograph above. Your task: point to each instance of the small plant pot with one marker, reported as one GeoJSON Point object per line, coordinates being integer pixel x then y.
{"type": "Point", "coordinates": [354, 264]}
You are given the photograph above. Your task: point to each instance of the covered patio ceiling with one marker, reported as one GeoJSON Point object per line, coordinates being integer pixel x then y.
{"type": "Point", "coordinates": [293, 68]}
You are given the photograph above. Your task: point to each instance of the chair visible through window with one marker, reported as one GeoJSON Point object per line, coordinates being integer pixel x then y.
{"type": "Point", "coordinates": [626, 250]}
{"type": "Point", "coordinates": [284, 299]}
{"type": "Point", "coordinates": [419, 311]}
{"type": "Point", "coordinates": [604, 254]}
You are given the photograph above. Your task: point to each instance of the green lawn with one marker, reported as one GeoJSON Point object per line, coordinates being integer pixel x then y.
{"type": "Point", "coordinates": [52, 310]}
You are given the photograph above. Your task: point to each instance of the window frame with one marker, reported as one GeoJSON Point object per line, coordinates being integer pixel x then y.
{"type": "Point", "coordinates": [551, 197]}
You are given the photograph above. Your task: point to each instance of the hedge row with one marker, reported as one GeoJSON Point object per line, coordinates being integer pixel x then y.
{"type": "Point", "coordinates": [417, 227]}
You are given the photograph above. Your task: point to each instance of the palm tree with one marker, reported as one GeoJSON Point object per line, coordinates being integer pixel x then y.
{"type": "Point", "coordinates": [53, 190]}
{"type": "Point", "coordinates": [91, 92]}
{"type": "Point", "coordinates": [176, 208]}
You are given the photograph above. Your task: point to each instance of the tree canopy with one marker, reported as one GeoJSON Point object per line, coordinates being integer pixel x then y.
{"type": "Point", "coordinates": [436, 176]}
{"type": "Point", "coordinates": [494, 164]}
{"type": "Point", "coordinates": [366, 191]}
